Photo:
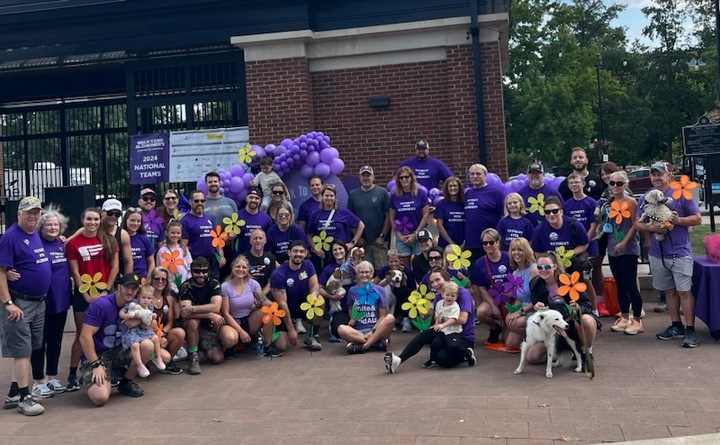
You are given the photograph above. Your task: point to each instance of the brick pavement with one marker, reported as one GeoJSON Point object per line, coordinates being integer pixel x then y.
{"type": "Point", "coordinates": [644, 389]}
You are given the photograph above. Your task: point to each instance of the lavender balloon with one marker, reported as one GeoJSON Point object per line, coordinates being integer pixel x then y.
{"type": "Point", "coordinates": [286, 143]}
{"type": "Point", "coordinates": [391, 186]}
{"type": "Point", "coordinates": [236, 184]}
{"type": "Point", "coordinates": [328, 155]}
{"type": "Point", "coordinates": [201, 185]}
{"type": "Point", "coordinates": [337, 166]}
{"type": "Point", "coordinates": [247, 179]}
{"type": "Point", "coordinates": [322, 170]}
{"type": "Point", "coordinates": [313, 159]}
{"type": "Point", "coordinates": [237, 170]}
{"type": "Point", "coordinates": [306, 171]}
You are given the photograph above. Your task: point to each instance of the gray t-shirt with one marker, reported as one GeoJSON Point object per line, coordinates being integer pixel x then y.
{"type": "Point", "coordinates": [371, 207]}
{"type": "Point", "coordinates": [218, 208]}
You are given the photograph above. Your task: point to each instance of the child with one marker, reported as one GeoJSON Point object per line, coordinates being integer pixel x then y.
{"type": "Point", "coordinates": [143, 253]}
{"type": "Point", "coordinates": [265, 179]}
{"type": "Point", "coordinates": [133, 337]}
{"type": "Point", "coordinates": [460, 275]}
{"type": "Point", "coordinates": [174, 255]}
{"type": "Point", "coordinates": [447, 325]}
{"type": "Point", "coordinates": [514, 224]}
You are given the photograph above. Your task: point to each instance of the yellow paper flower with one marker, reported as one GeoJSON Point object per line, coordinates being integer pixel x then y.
{"type": "Point", "coordinates": [459, 258]}
{"type": "Point", "coordinates": [233, 224]}
{"type": "Point", "coordinates": [323, 241]}
{"type": "Point", "coordinates": [564, 255]}
{"type": "Point", "coordinates": [313, 306]}
{"type": "Point", "coordinates": [571, 284]}
{"type": "Point", "coordinates": [417, 302]}
{"type": "Point", "coordinates": [246, 154]}
{"type": "Point", "coordinates": [92, 285]}
{"type": "Point", "coordinates": [537, 204]}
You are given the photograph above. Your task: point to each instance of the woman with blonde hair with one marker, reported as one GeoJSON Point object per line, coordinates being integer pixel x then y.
{"type": "Point", "coordinates": [409, 213]}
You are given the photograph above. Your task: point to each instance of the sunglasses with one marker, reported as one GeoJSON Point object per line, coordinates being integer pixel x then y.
{"type": "Point", "coordinates": [403, 177]}
{"type": "Point", "coordinates": [616, 183]}
{"type": "Point", "coordinates": [544, 267]}
{"type": "Point", "coordinates": [552, 211]}
{"type": "Point", "coordinates": [170, 198]}
{"type": "Point", "coordinates": [198, 201]}
{"type": "Point", "coordinates": [329, 187]}
{"type": "Point", "coordinates": [114, 213]}
{"type": "Point", "coordinates": [148, 198]}
{"type": "Point", "coordinates": [283, 215]}
{"type": "Point", "coordinates": [200, 271]}
{"type": "Point", "coordinates": [134, 209]}
{"type": "Point", "coordinates": [278, 192]}
{"type": "Point", "coordinates": [434, 258]}
{"type": "Point", "coordinates": [488, 243]}
{"type": "Point", "coordinates": [160, 279]}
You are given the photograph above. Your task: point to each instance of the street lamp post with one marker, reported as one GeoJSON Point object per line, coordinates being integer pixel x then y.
{"type": "Point", "coordinates": [598, 65]}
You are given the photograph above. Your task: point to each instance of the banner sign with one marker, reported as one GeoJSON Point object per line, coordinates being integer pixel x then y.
{"type": "Point", "coordinates": [197, 152]}
{"type": "Point", "coordinates": [149, 158]}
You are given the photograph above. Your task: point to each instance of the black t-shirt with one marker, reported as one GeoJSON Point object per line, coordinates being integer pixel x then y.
{"type": "Point", "coordinates": [594, 187]}
{"type": "Point", "coordinates": [261, 267]}
{"type": "Point", "coordinates": [420, 267]}
{"type": "Point", "coordinates": [199, 295]}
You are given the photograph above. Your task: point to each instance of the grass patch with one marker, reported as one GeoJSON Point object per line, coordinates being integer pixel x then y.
{"type": "Point", "coordinates": [698, 234]}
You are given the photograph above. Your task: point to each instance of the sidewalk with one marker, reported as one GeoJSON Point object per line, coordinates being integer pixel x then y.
{"type": "Point", "coordinates": [644, 389]}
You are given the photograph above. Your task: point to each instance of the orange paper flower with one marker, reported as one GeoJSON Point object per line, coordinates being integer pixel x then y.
{"type": "Point", "coordinates": [682, 188]}
{"type": "Point", "coordinates": [619, 211]}
{"type": "Point", "coordinates": [218, 237]}
{"type": "Point", "coordinates": [571, 286]}
{"type": "Point", "coordinates": [171, 261]}
{"type": "Point", "coordinates": [159, 331]}
{"type": "Point", "coordinates": [272, 312]}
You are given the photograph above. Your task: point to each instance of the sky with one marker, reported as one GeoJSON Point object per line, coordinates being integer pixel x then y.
{"type": "Point", "coordinates": [632, 18]}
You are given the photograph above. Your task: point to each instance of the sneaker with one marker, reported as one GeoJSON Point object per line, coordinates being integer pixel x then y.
{"type": "Point", "coordinates": [430, 364]}
{"type": "Point", "coordinates": [72, 384]}
{"type": "Point", "coordinates": [334, 339]}
{"type": "Point", "coordinates": [172, 368]}
{"type": "Point", "coordinates": [406, 325]}
{"type": "Point", "coordinates": [472, 360]}
{"type": "Point", "coordinates": [312, 344]}
{"type": "Point", "coordinates": [620, 325]}
{"type": "Point", "coordinates": [670, 333]}
{"type": "Point", "coordinates": [41, 391]}
{"type": "Point", "coordinates": [382, 345]}
{"type": "Point", "coordinates": [142, 371]}
{"type": "Point", "coordinates": [642, 313]}
{"type": "Point", "coordinates": [229, 354]}
{"type": "Point", "coordinates": [392, 362]}
{"type": "Point", "coordinates": [181, 355]}
{"type": "Point", "coordinates": [11, 401]}
{"type": "Point", "coordinates": [130, 388]}
{"type": "Point", "coordinates": [159, 364]}
{"type": "Point", "coordinates": [354, 348]}
{"type": "Point", "coordinates": [494, 335]}
{"type": "Point", "coordinates": [194, 368]}
{"type": "Point", "coordinates": [30, 407]}
{"type": "Point", "coordinates": [661, 307]}
{"type": "Point", "coordinates": [602, 309]}
{"type": "Point", "coordinates": [299, 326]}
{"type": "Point", "coordinates": [636, 327]}
{"type": "Point", "coordinates": [115, 375]}
{"type": "Point", "coordinates": [272, 351]}
{"type": "Point", "coordinates": [56, 386]}
{"type": "Point", "coordinates": [690, 340]}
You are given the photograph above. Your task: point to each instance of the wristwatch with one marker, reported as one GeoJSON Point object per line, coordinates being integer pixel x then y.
{"type": "Point", "coordinates": [8, 303]}
{"type": "Point", "coordinates": [522, 311]}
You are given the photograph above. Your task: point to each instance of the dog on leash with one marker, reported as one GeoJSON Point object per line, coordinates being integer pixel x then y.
{"type": "Point", "coordinates": [544, 327]}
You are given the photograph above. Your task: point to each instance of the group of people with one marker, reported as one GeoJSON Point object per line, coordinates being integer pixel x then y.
{"type": "Point", "coordinates": [162, 281]}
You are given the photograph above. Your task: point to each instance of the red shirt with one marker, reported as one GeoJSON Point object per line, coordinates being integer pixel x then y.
{"type": "Point", "coordinates": [90, 255]}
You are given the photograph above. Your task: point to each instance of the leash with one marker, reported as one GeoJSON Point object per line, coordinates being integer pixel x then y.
{"type": "Point", "coordinates": [589, 360]}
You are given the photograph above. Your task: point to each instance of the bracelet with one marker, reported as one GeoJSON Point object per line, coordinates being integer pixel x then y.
{"type": "Point", "coordinates": [96, 364]}
{"type": "Point", "coordinates": [353, 242]}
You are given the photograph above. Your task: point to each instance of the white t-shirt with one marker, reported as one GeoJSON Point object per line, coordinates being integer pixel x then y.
{"type": "Point", "coordinates": [444, 313]}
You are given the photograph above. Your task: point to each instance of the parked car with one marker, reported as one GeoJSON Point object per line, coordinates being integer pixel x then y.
{"type": "Point", "coordinates": [640, 181]}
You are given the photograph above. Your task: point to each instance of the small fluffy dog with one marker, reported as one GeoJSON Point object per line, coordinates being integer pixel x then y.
{"type": "Point", "coordinates": [345, 274]}
{"type": "Point", "coordinates": [655, 209]}
{"type": "Point", "coordinates": [334, 286]}
{"type": "Point", "coordinates": [544, 327]}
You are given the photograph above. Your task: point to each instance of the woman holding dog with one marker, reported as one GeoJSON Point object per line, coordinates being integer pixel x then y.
{"type": "Point", "coordinates": [409, 213]}
{"type": "Point", "coordinates": [337, 317]}
{"type": "Point", "coordinates": [544, 293]}
{"type": "Point", "coordinates": [446, 356]}
{"type": "Point", "coordinates": [623, 253]}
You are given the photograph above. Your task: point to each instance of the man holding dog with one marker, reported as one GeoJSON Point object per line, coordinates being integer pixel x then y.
{"type": "Point", "coordinates": [671, 259]}
{"type": "Point", "coordinates": [371, 204]}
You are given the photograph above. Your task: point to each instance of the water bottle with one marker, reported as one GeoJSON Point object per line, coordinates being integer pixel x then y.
{"type": "Point", "coordinates": [259, 349]}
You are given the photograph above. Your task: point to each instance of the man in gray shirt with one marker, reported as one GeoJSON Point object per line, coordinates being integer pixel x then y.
{"type": "Point", "coordinates": [370, 203]}
{"type": "Point", "coordinates": [217, 206]}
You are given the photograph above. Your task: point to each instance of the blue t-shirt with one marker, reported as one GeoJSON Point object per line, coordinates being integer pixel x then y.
{"type": "Point", "coordinates": [510, 228]}
{"type": "Point", "coordinates": [25, 253]}
{"type": "Point", "coordinates": [452, 214]}
{"type": "Point", "coordinates": [306, 209]}
{"type": "Point", "coordinates": [369, 301]}
{"type": "Point", "coordinates": [295, 283]}
{"type": "Point", "coordinates": [141, 249]}
{"type": "Point", "coordinates": [58, 297]}
{"type": "Point", "coordinates": [678, 243]}
{"type": "Point", "coordinates": [260, 220]}
{"type": "Point", "coordinates": [546, 238]}
{"type": "Point", "coordinates": [104, 314]}
{"type": "Point", "coordinates": [481, 275]}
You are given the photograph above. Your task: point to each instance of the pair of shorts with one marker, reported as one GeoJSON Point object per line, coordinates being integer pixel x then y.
{"type": "Point", "coordinates": [678, 277]}
{"type": "Point", "coordinates": [406, 250]}
{"type": "Point", "coordinates": [208, 339]}
{"type": "Point", "coordinates": [116, 357]}
{"type": "Point", "coordinates": [244, 323]}
{"type": "Point", "coordinates": [21, 338]}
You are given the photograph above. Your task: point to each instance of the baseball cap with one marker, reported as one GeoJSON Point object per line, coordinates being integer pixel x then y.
{"type": "Point", "coordinates": [662, 166]}
{"type": "Point", "coordinates": [535, 167]}
{"type": "Point", "coordinates": [421, 145]}
{"type": "Point", "coordinates": [111, 204]}
{"type": "Point", "coordinates": [296, 242]}
{"type": "Point", "coordinates": [367, 169]}
{"type": "Point", "coordinates": [29, 203]}
{"type": "Point", "coordinates": [147, 191]}
{"type": "Point", "coordinates": [255, 191]}
{"type": "Point", "coordinates": [424, 234]}
{"type": "Point", "coordinates": [129, 279]}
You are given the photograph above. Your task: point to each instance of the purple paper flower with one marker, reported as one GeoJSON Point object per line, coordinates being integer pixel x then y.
{"type": "Point", "coordinates": [150, 220]}
{"type": "Point", "coordinates": [404, 226]}
{"type": "Point", "coordinates": [517, 287]}
{"type": "Point", "coordinates": [499, 292]}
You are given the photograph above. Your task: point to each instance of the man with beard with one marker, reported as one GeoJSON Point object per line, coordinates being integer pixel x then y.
{"type": "Point", "coordinates": [218, 207]}
{"type": "Point", "coordinates": [196, 229]}
{"type": "Point", "coordinates": [262, 264]}
{"type": "Point", "coordinates": [535, 194]}
{"type": "Point", "coordinates": [254, 218]}
{"type": "Point", "coordinates": [429, 172]}
{"type": "Point", "coordinates": [153, 224]}
{"type": "Point", "coordinates": [594, 185]}
{"type": "Point", "coordinates": [371, 203]}
{"type": "Point", "coordinates": [315, 184]}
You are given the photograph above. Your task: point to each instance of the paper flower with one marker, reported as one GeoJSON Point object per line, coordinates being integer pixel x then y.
{"type": "Point", "coordinates": [272, 313]}
{"type": "Point", "coordinates": [218, 237]}
{"type": "Point", "coordinates": [92, 285]}
{"type": "Point", "coordinates": [404, 225]}
{"type": "Point", "coordinates": [368, 295]}
{"type": "Point", "coordinates": [245, 154]}
{"type": "Point", "coordinates": [313, 307]}
{"type": "Point", "coordinates": [683, 188]}
{"type": "Point", "coordinates": [499, 292]}
{"type": "Point", "coordinates": [564, 255]}
{"type": "Point", "coordinates": [458, 258]}
{"type": "Point", "coordinates": [571, 285]}
{"type": "Point", "coordinates": [159, 331]}
{"type": "Point", "coordinates": [151, 219]}
{"type": "Point", "coordinates": [233, 224]}
{"type": "Point", "coordinates": [323, 241]}
{"type": "Point", "coordinates": [517, 285]}
{"type": "Point", "coordinates": [537, 204]}
{"type": "Point", "coordinates": [619, 211]}
{"type": "Point", "coordinates": [417, 303]}
{"type": "Point", "coordinates": [171, 260]}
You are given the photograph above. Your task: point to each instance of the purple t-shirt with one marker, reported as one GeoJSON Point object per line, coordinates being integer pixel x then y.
{"type": "Point", "coordinates": [546, 191]}
{"type": "Point", "coordinates": [58, 297]}
{"type": "Point", "coordinates": [260, 220]}
{"type": "Point", "coordinates": [369, 303]}
{"type": "Point", "coordinates": [339, 226]}
{"type": "Point", "coordinates": [583, 210]}
{"type": "Point", "coordinates": [483, 210]}
{"type": "Point", "coordinates": [196, 229]}
{"type": "Point", "coordinates": [408, 210]}
{"type": "Point", "coordinates": [141, 249]}
{"type": "Point", "coordinates": [480, 274]}
{"type": "Point", "coordinates": [25, 253]}
{"type": "Point", "coordinates": [278, 242]}
{"type": "Point", "coordinates": [306, 209]}
{"type": "Point", "coordinates": [546, 239]}
{"type": "Point", "coordinates": [452, 214]}
{"type": "Point", "coordinates": [465, 302]}
{"type": "Point", "coordinates": [104, 314]}
{"type": "Point", "coordinates": [241, 305]}
{"type": "Point", "coordinates": [678, 242]}
{"type": "Point", "coordinates": [295, 284]}
{"type": "Point", "coordinates": [510, 228]}
{"type": "Point", "coordinates": [428, 172]}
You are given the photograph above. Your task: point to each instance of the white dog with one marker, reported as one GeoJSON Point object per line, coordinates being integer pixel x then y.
{"type": "Point", "coordinates": [655, 209]}
{"type": "Point", "coordinates": [544, 327]}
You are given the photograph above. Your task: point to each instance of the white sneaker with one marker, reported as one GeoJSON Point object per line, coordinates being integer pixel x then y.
{"type": "Point", "coordinates": [41, 391]}
{"type": "Point", "coordinates": [392, 362]}
{"type": "Point", "coordinates": [56, 386]}
{"type": "Point", "coordinates": [299, 326]}
{"type": "Point", "coordinates": [30, 407]}
{"type": "Point", "coordinates": [406, 325]}
{"type": "Point", "coordinates": [182, 354]}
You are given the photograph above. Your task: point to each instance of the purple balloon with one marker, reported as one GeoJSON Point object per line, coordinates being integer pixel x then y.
{"type": "Point", "coordinates": [302, 138]}
{"type": "Point", "coordinates": [507, 188]}
{"type": "Point", "coordinates": [313, 159]}
{"type": "Point", "coordinates": [247, 179]}
{"type": "Point", "coordinates": [434, 193]}
{"type": "Point", "coordinates": [286, 143]}
{"type": "Point", "coordinates": [277, 168]}
{"type": "Point", "coordinates": [319, 134]}
{"type": "Point", "coordinates": [546, 180]}
{"type": "Point", "coordinates": [322, 170]}
{"type": "Point", "coordinates": [236, 184]}
{"type": "Point", "coordinates": [270, 149]}
{"type": "Point", "coordinates": [259, 152]}
{"type": "Point", "coordinates": [436, 200]}
{"type": "Point", "coordinates": [322, 145]}
{"type": "Point", "coordinates": [313, 134]}
{"type": "Point", "coordinates": [201, 185]}
{"type": "Point", "coordinates": [522, 177]}
{"type": "Point", "coordinates": [237, 170]}
{"type": "Point", "coordinates": [296, 158]}
{"type": "Point", "coordinates": [226, 183]}
{"type": "Point", "coordinates": [555, 183]}
{"type": "Point", "coordinates": [423, 188]}
{"type": "Point", "coordinates": [303, 145]}
{"type": "Point", "coordinates": [337, 166]}
{"type": "Point", "coordinates": [241, 196]}
{"type": "Point", "coordinates": [290, 162]}
{"type": "Point", "coordinates": [328, 155]}
{"type": "Point", "coordinates": [494, 180]}
{"type": "Point", "coordinates": [391, 186]}
{"type": "Point", "coordinates": [280, 150]}
{"type": "Point", "coordinates": [303, 154]}
{"type": "Point", "coordinates": [294, 149]}
{"type": "Point", "coordinates": [326, 139]}
{"type": "Point", "coordinates": [283, 165]}
{"type": "Point", "coordinates": [306, 171]}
